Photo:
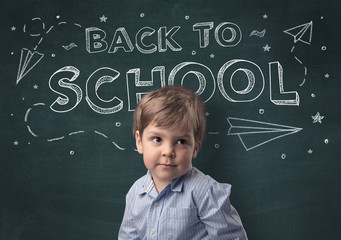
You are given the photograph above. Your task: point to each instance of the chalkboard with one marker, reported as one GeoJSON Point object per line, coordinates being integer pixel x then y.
{"type": "Point", "coordinates": [73, 71]}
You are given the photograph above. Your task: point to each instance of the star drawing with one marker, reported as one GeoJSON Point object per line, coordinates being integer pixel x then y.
{"type": "Point", "coordinates": [317, 118]}
{"type": "Point", "coordinates": [103, 18]}
{"type": "Point", "coordinates": [266, 48]}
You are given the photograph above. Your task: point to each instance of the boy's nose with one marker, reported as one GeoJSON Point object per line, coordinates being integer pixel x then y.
{"type": "Point", "coordinates": [168, 151]}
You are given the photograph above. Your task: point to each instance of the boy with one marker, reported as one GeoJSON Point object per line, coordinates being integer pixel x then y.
{"type": "Point", "coordinates": [175, 200]}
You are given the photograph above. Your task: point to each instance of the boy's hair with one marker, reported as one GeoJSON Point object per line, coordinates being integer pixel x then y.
{"type": "Point", "coordinates": [172, 106]}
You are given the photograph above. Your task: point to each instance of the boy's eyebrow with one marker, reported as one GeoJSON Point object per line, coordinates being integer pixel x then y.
{"type": "Point", "coordinates": [185, 135]}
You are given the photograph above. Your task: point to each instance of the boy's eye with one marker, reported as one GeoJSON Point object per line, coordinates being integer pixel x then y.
{"type": "Point", "coordinates": [156, 139]}
{"type": "Point", "coordinates": [181, 141]}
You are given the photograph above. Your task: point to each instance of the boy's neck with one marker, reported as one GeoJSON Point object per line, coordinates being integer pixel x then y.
{"type": "Point", "coordinates": [159, 186]}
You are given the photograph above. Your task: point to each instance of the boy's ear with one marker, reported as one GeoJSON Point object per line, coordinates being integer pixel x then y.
{"type": "Point", "coordinates": [195, 153]}
{"type": "Point", "coordinates": [138, 139]}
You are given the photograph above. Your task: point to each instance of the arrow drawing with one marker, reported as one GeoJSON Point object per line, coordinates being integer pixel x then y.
{"type": "Point", "coordinates": [247, 130]}
{"type": "Point", "coordinates": [27, 62]}
{"type": "Point", "coordinates": [302, 33]}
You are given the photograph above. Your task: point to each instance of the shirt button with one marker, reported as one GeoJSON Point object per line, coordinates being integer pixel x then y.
{"type": "Point", "coordinates": [156, 204]}
{"type": "Point", "coordinates": [152, 231]}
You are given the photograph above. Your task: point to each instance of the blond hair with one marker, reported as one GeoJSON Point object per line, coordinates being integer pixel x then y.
{"type": "Point", "coordinates": [172, 106]}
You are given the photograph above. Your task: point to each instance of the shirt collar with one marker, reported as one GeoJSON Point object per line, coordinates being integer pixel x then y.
{"type": "Point", "coordinates": [147, 183]}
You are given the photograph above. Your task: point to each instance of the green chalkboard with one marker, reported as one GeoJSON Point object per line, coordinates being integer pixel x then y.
{"type": "Point", "coordinates": [73, 71]}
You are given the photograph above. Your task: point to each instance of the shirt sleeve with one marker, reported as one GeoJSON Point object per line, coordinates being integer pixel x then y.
{"type": "Point", "coordinates": [219, 216]}
{"type": "Point", "coordinates": [128, 229]}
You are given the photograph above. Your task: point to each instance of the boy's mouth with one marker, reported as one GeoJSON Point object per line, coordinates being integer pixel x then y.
{"type": "Point", "coordinates": [167, 165]}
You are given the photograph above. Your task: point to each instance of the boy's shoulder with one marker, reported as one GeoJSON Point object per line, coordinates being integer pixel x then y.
{"type": "Point", "coordinates": [141, 184]}
{"type": "Point", "coordinates": [195, 180]}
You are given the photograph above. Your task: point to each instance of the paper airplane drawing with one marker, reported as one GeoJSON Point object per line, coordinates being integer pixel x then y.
{"type": "Point", "coordinates": [253, 134]}
{"type": "Point", "coordinates": [28, 60]}
{"type": "Point", "coordinates": [302, 33]}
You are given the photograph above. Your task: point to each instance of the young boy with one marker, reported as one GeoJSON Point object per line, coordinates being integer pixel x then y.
{"type": "Point", "coordinates": [175, 200]}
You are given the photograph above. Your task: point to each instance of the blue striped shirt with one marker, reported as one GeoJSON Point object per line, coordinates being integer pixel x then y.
{"type": "Point", "coordinates": [193, 207]}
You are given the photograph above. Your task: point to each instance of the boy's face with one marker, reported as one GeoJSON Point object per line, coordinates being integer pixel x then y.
{"type": "Point", "coordinates": [167, 153]}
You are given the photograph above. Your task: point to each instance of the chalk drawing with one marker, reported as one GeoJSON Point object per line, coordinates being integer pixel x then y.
{"type": "Point", "coordinates": [236, 34]}
{"type": "Point", "coordinates": [74, 133]}
{"type": "Point", "coordinates": [298, 60]}
{"type": "Point", "coordinates": [101, 134]}
{"type": "Point", "coordinates": [305, 74]}
{"type": "Point", "coordinates": [258, 33]}
{"type": "Point", "coordinates": [102, 76]}
{"type": "Point", "coordinates": [70, 46]}
{"type": "Point", "coordinates": [59, 138]}
{"type": "Point", "coordinates": [61, 78]}
{"type": "Point", "coordinates": [103, 18]}
{"type": "Point", "coordinates": [202, 74]}
{"type": "Point", "coordinates": [276, 68]}
{"type": "Point", "coordinates": [28, 60]}
{"type": "Point", "coordinates": [252, 72]}
{"type": "Point", "coordinates": [204, 28]}
{"type": "Point", "coordinates": [317, 118]}
{"type": "Point", "coordinates": [203, 35]}
{"type": "Point", "coordinates": [55, 139]}
{"type": "Point", "coordinates": [266, 48]}
{"type": "Point", "coordinates": [213, 133]}
{"type": "Point", "coordinates": [95, 40]}
{"type": "Point", "coordinates": [118, 147]}
{"type": "Point", "coordinates": [302, 33]}
{"type": "Point", "coordinates": [133, 80]}
{"type": "Point", "coordinates": [253, 134]}
{"type": "Point", "coordinates": [26, 118]}
{"type": "Point", "coordinates": [31, 132]}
